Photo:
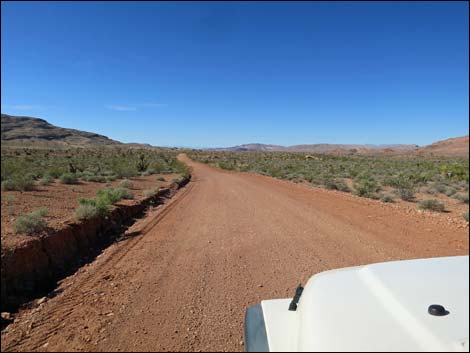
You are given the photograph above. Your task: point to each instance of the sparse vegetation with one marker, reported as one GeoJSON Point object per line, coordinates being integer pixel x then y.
{"type": "Point", "coordinates": [337, 184]}
{"type": "Point", "coordinates": [150, 192]}
{"type": "Point", "coordinates": [20, 166]}
{"type": "Point", "coordinates": [387, 199]}
{"type": "Point", "coordinates": [9, 199]}
{"type": "Point", "coordinates": [87, 211]}
{"type": "Point", "coordinates": [126, 183]}
{"type": "Point", "coordinates": [369, 173]}
{"type": "Point", "coordinates": [31, 223]}
{"type": "Point", "coordinates": [68, 178]}
{"type": "Point", "coordinates": [160, 178]}
{"type": "Point", "coordinates": [100, 205]}
{"type": "Point", "coordinates": [465, 216]}
{"type": "Point", "coordinates": [432, 205]}
{"type": "Point", "coordinates": [462, 198]}
{"type": "Point", "coordinates": [18, 183]}
{"type": "Point", "coordinates": [406, 194]}
{"type": "Point", "coordinates": [366, 186]}
{"type": "Point", "coordinates": [46, 180]}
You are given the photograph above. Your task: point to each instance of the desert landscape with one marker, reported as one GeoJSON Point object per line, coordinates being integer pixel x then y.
{"type": "Point", "coordinates": [234, 176]}
{"type": "Point", "coordinates": [170, 275]}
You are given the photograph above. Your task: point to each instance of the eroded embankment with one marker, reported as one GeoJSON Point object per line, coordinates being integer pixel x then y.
{"type": "Point", "coordinates": [34, 267]}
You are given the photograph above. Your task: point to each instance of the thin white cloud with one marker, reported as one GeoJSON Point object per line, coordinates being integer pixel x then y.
{"type": "Point", "coordinates": [121, 108]}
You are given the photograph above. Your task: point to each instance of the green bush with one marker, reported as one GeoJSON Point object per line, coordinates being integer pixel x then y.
{"type": "Point", "coordinates": [95, 178]}
{"type": "Point", "coordinates": [46, 180]}
{"type": "Point", "coordinates": [100, 206]}
{"type": "Point", "coordinates": [465, 216]}
{"type": "Point", "coordinates": [405, 194]}
{"type": "Point", "coordinates": [87, 211]}
{"type": "Point", "coordinates": [337, 184]}
{"type": "Point", "coordinates": [31, 223]}
{"type": "Point", "coordinates": [150, 192]}
{"type": "Point", "coordinates": [386, 198]}
{"type": "Point", "coordinates": [450, 191]}
{"type": "Point", "coordinates": [462, 198]}
{"type": "Point", "coordinates": [19, 183]}
{"type": "Point", "coordinates": [8, 185]}
{"type": "Point", "coordinates": [68, 178]}
{"type": "Point", "coordinates": [109, 178]}
{"type": "Point", "coordinates": [432, 205]}
{"type": "Point", "coordinates": [126, 183]}
{"type": "Point", "coordinates": [113, 195]}
{"type": "Point", "coordinates": [366, 187]}
{"type": "Point", "coordinates": [160, 178]}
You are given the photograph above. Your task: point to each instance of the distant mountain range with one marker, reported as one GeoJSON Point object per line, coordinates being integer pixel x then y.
{"type": "Point", "coordinates": [27, 131]}
{"type": "Point", "coordinates": [457, 146]}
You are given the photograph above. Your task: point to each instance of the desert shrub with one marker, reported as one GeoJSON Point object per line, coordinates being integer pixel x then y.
{"type": "Point", "coordinates": [430, 190]}
{"type": "Point", "coordinates": [94, 206]}
{"type": "Point", "coordinates": [87, 211]}
{"type": "Point", "coordinates": [386, 198]}
{"type": "Point", "coordinates": [109, 178]}
{"type": "Point", "coordinates": [113, 195]}
{"type": "Point", "coordinates": [150, 192]}
{"type": "Point", "coordinates": [462, 198]}
{"type": "Point", "coordinates": [8, 185]}
{"type": "Point", "coordinates": [95, 178]}
{"type": "Point", "coordinates": [405, 194]}
{"type": "Point", "coordinates": [100, 205]}
{"type": "Point", "coordinates": [18, 183]}
{"type": "Point", "coordinates": [126, 183]}
{"type": "Point", "coordinates": [53, 173]}
{"type": "Point", "coordinates": [160, 178]}
{"type": "Point", "coordinates": [68, 178]}
{"type": "Point", "coordinates": [441, 188]}
{"type": "Point", "coordinates": [450, 191]}
{"type": "Point", "coordinates": [366, 187]}
{"type": "Point", "coordinates": [9, 199]}
{"type": "Point", "coordinates": [46, 180]}
{"type": "Point", "coordinates": [432, 205]}
{"type": "Point", "coordinates": [336, 184]}
{"type": "Point", "coordinates": [465, 216]}
{"type": "Point", "coordinates": [31, 223]}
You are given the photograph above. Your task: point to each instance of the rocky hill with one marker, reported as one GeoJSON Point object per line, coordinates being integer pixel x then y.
{"type": "Point", "coordinates": [457, 146]}
{"type": "Point", "coordinates": [26, 131]}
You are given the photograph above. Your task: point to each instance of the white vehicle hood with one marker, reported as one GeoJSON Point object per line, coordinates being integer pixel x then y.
{"type": "Point", "coordinates": [385, 307]}
{"type": "Point", "coordinates": [379, 307]}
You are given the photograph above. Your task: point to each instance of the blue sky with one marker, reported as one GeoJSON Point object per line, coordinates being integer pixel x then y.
{"type": "Point", "coordinates": [220, 74]}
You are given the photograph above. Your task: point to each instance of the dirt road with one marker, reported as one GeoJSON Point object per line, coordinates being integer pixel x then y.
{"type": "Point", "coordinates": [184, 275]}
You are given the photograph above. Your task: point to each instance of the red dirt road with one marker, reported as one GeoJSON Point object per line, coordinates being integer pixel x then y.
{"type": "Point", "coordinates": [225, 242]}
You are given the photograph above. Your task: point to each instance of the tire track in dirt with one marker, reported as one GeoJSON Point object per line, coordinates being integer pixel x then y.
{"type": "Point", "coordinates": [226, 241]}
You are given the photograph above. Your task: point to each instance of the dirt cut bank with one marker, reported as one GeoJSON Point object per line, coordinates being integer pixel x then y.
{"type": "Point", "coordinates": [34, 266]}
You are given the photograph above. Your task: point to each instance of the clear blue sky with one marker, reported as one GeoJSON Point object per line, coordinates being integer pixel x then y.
{"type": "Point", "coordinates": [220, 74]}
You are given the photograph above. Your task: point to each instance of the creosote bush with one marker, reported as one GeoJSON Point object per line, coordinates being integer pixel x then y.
{"type": "Point", "coordinates": [18, 183]}
{"type": "Point", "coordinates": [386, 199]}
{"type": "Point", "coordinates": [31, 223]}
{"type": "Point", "coordinates": [406, 194]}
{"type": "Point", "coordinates": [150, 192]}
{"type": "Point", "coordinates": [101, 204]}
{"type": "Point", "coordinates": [432, 205]}
{"type": "Point", "coordinates": [68, 178]}
{"type": "Point", "coordinates": [462, 198]}
{"type": "Point", "coordinates": [126, 183]}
